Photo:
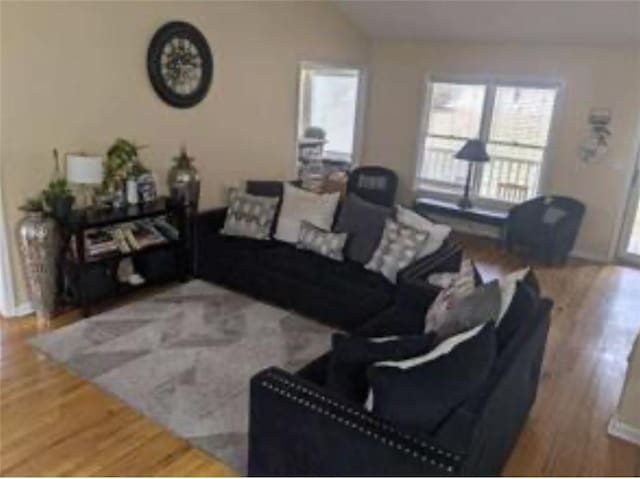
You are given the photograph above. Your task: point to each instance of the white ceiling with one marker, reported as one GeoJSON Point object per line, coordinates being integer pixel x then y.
{"type": "Point", "coordinates": [603, 22]}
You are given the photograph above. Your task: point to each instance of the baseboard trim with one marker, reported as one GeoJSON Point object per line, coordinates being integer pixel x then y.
{"type": "Point", "coordinates": [623, 431]}
{"type": "Point", "coordinates": [21, 310]}
{"type": "Point", "coordinates": [596, 258]}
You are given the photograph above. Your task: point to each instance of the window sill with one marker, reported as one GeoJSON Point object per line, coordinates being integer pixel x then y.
{"type": "Point", "coordinates": [488, 204]}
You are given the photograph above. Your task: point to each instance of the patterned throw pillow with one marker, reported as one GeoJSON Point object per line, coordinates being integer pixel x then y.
{"type": "Point", "coordinates": [322, 242]}
{"type": "Point", "coordinates": [249, 216]}
{"type": "Point", "coordinates": [398, 247]}
{"type": "Point", "coordinates": [461, 286]}
{"type": "Point", "coordinates": [437, 233]}
{"type": "Point", "coordinates": [480, 306]}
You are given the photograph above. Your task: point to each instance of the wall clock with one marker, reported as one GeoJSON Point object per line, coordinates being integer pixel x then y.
{"type": "Point", "coordinates": [180, 64]}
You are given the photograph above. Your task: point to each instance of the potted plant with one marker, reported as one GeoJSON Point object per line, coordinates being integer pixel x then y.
{"type": "Point", "coordinates": [57, 198]}
{"type": "Point", "coordinates": [122, 164]}
{"type": "Point", "coordinates": [33, 205]}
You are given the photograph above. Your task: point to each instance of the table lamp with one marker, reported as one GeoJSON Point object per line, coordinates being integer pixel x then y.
{"type": "Point", "coordinates": [85, 171]}
{"type": "Point", "coordinates": [473, 151]}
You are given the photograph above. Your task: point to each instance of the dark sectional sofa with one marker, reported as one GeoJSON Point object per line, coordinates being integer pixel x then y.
{"type": "Point", "coordinates": [298, 427]}
{"type": "Point", "coordinates": [342, 294]}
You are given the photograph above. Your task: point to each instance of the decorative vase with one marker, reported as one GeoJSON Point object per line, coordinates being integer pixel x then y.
{"type": "Point", "coordinates": [39, 245]}
{"type": "Point", "coordinates": [183, 180]}
{"type": "Point", "coordinates": [119, 199]}
{"type": "Point", "coordinates": [132, 191]}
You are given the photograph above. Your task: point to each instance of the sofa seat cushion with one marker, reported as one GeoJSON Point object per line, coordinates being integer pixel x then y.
{"type": "Point", "coordinates": [231, 260]}
{"type": "Point", "coordinates": [340, 293]}
{"type": "Point", "coordinates": [332, 275]}
{"type": "Point", "coordinates": [229, 249]}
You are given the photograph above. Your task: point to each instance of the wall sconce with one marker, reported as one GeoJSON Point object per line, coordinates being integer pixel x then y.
{"type": "Point", "coordinates": [596, 146]}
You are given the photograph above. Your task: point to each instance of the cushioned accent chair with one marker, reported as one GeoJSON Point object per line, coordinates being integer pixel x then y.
{"type": "Point", "coordinates": [375, 184]}
{"type": "Point", "coordinates": [544, 228]}
{"type": "Point", "coordinates": [298, 427]}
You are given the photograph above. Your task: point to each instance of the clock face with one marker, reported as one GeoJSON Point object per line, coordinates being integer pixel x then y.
{"type": "Point", "coordinates": [180, 64]}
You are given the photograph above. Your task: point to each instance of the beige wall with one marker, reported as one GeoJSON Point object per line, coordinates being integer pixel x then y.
{"type": "Point", "coordinates": [594, 77]}
{"type": "Point", "coordinates": [74, 77]}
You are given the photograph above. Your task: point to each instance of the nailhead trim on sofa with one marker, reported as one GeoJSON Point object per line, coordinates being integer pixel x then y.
{"type": "Point", "coordinates": [434, 455]}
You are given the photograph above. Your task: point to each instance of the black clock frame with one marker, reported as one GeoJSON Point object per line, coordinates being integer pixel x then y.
{"type": "Point", "coordinates": [154, 67]}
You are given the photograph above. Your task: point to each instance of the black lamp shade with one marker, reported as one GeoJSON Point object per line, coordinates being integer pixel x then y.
{"type": "Point", "coordinates": [473, 150]}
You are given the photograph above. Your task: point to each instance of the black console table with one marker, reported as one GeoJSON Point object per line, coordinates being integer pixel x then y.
{"type": "Point", "coordinates": [88, 280]}
{"type": "Point", "coordinates": [427, 206]}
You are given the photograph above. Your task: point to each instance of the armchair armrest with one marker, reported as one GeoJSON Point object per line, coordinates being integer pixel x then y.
{"type": "Point", "coordinates": [298, 429]}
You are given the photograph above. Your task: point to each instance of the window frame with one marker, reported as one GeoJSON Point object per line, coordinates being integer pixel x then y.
{"type": "Point", "coordinates": [491, 82]}
{"type": "Point", "coordinates": [358, 130]}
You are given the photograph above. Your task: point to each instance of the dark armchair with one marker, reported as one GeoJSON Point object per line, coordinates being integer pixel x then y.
{"type": "Point", "coordinates": [374, 184]}
{"type": "Point", "coordinates": [544, 228]}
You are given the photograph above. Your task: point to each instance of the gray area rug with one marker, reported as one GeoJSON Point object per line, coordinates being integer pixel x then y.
{"type": "Point", "coordinates": [184, 358]}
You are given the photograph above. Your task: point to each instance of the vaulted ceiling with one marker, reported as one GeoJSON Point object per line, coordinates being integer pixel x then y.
{"type": "Point", "coordinates": [603, 22]}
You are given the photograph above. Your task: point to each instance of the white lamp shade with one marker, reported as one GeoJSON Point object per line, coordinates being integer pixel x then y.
{"type": "Point", "coordinates": [84, 170]}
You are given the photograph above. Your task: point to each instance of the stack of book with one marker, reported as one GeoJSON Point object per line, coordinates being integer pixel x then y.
{"type": "Point", "coordinates": [99, 242]}
{"type": "Point", "coordinates": [127, 237]}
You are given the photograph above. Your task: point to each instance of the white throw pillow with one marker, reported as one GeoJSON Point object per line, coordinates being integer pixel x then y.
{"type": "Point", "coordinates": [445, 347]}
{"type": "Point", "coordinates": [437, 233]}
{"type": "Point", "coordinates": [299, 205]}
{"type": "Point", "coordinates": [508, 290]}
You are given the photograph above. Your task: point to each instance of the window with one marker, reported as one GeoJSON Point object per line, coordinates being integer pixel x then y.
{"type": "Point", "coordinates": [514, 121]}
{"type": "Point", "coordinates": [329, 100]}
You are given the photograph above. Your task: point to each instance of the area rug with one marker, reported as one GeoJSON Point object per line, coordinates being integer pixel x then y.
{"type": "Point", "coordinates": [184, 358]}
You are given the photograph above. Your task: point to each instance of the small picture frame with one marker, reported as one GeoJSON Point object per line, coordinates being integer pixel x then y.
{"type": "Point", "coordinates": [147, 188]}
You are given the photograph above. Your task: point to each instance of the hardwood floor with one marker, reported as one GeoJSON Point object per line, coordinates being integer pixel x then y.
{"type": "Point", "coordinates": [53, 423]}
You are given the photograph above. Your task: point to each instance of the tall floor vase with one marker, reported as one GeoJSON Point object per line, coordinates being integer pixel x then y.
{"type": "Point", "coordinates": [39, 245]}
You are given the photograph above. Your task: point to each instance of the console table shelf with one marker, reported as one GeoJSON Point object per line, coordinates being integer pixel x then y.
{"type": "Point", "coordinates": [89, 280]}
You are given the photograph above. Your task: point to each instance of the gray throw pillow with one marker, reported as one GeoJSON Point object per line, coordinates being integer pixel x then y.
{"type": "Point", "coordinates": [249, 216]}
{"type": "Point", "coordinates": [364, 222]}
{"type": "Point", "coordinates": [322, 242]}
{"type": "Point", "coordinates": [480, 306]}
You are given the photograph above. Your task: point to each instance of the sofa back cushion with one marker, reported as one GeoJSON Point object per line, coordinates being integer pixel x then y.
{"type": "Point", "coordinates": [364, 222]}
{"type": "Point", "coordinates": [419, 393]}
{"type": "Point", "coordinates": [269, 188]}
{"type": "Point", "coordinates": [299, 205]}
{"type": "Point", "coordinates": [351, 356]}
{"type": "Point", "coordinates": [521, 310]}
